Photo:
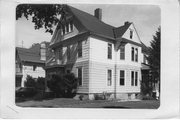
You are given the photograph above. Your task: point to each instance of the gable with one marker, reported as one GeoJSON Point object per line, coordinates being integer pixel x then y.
{"type": "Point", "coordinates": [135, 37]}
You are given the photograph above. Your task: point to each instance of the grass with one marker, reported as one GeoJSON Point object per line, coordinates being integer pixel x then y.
{"type": "Point", "coordinates": [71, 103]}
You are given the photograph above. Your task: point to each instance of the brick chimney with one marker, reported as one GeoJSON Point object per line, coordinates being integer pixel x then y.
{"type": "Point", "coordinates": [126, 23]}
{"type": "Point", "coordinates": [98, 13]}
{"type": "Point", "coordinates": [43, 51]}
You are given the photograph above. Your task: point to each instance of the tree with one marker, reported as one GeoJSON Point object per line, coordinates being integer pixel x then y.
{"type": "Point", "coordinates": [154, 56]}
{"type": "Point", "coordinates": [46, 15]}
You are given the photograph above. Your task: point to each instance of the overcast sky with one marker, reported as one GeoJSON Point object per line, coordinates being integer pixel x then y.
{"type": "Point", "coordinates": [146, 19]}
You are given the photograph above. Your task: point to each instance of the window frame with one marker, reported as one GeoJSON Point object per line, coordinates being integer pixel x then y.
{"type": "Point", "coordinates": [108, 77]}
{"type": "Point", "coordinates": [80, 49]}
{"type": "Point", "coordinates": [120, 77]}
{"type": "Point", "coordinates": [131, 34]}
{"type": "Point", "coordinates": [81, 76]}
{"type": "Point", "coordinates": [136, 54]}
{"type": "Point", "coordinates": [122, 52]}
{"type": "Point", "coordinates": [109, 53]}
{"type": "Point", "coordinates": [136, 78]}
{"type": "Point", "coordinates": [132, 78]}
{"type": "Point", "coordinates": [132, 53]}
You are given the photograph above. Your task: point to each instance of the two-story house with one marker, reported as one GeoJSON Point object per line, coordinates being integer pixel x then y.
{"type": "Point", "coordinates": [105, 59]}
{"type": "Point", "coordinates": [31, 61]}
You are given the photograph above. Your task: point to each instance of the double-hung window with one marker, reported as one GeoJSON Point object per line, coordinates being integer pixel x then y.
{"type": "Point", "coordinates": [122, 52]}
{"type": "Point", "coordinates": [109, 77]}
{"type": "Point", "coordinates": [136, 55]}
{"type": "Point", "coordinates": [136, 78]}
{"type": "Point", "coordinates": [79, 49]}
{"type": "Point", "coordinates": [132, 78]}
{"type": "Point", "coordinates": [132, 53]}
{"type": "Point", "coordinates": [79, 75]}
{"type": "Point", "coordinates": [122, 77]}
{"type": "Point", "coordinates": [109, 51]}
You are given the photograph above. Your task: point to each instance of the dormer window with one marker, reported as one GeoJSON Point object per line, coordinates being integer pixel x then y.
{"type": "Point", "coordinates": [131, 34]}
{"type": "Point", "coordinates": [66, 28]}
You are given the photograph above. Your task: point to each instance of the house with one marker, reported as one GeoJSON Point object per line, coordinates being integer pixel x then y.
{"type": "Point", "coordinates": [30, 61]}
{"type": "Point", "coordinates": [105, 59]}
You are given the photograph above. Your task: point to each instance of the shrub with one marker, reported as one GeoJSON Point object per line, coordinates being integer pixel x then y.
{"type": "Point", "coordinates": [40, 83]}
{"type": "Point", "coordinates": [30, 82]}
{"type": "Point", "coordinates": [145, 89]}
{"type": "Point", "coordinates": [63, 86]}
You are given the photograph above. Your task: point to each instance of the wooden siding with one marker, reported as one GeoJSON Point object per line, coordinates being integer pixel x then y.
{"type": "Point", "coordinates": [99, 64]}
{"type": "Point", "coordinates": [135, 37]}
{"type": "Point", "coordinates": [98, 78]}
{"type": "Point", "coordinates": [85, 80]}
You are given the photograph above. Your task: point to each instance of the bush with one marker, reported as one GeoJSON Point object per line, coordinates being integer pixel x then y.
{"type": "Point", "coordinates": [63, 86]}
{"type": "Point", "coordinates": [145, 89]}
{"type": "Point", "coordinates": [30, 82]}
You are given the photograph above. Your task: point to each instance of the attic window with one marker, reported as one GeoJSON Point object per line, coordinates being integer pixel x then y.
{"type": "Point", "coordinates": [67, 28]}
{"type": "Point", "coordinates": [131, 34]}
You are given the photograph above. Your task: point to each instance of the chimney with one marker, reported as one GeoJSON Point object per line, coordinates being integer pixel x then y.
{"type": "Point", "coordinates": [43, 51]}
{"type": "Point", "coordinates": [98, 13]}
{"type": "Point", "coordinates": [126, 23]}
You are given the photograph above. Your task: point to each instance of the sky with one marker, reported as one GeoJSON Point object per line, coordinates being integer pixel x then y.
{"type": "Point", "coordinates": [146, 19]}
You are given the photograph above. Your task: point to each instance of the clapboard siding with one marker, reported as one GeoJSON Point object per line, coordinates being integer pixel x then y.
{"type": "Point", "coordinates": [127, 87]}
{"type": "Point", "coordinates": [98, 78]}
{"type": "Point", "coordinates": [73, 53]}
{"type": "Point", "coordinates": [85, 66]}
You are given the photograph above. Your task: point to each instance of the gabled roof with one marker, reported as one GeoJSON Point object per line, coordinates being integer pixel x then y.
{"type": "Point", "coordinates": [95, 26]}
{"type": "Point", "coordinates": [32, 54]}
{"type": "Point", "coordinates": [27, 55]}
{"type": "Point", "coordinates": [121, 30]}
{"type": "Point", "coordinates": [91, 23]}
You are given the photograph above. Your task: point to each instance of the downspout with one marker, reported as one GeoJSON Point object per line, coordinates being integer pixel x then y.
{"type": "Point", "coordinates": [115, 72]}
{"type": "Point", "coordinates": [115, 67]}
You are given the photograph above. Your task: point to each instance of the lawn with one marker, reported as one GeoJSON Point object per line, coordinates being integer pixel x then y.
{"type": "Point", "coordinates": [71, 103]}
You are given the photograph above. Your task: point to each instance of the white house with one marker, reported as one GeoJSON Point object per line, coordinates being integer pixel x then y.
{"type": "Point", "coordinates": [105, 59]}
{"type": "Point", "coordinates": [30, 61]}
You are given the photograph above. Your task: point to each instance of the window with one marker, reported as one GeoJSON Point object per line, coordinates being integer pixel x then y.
{"type": "Point", "coordinates": [122, 79]}
{"type": "Point", "coordinates": [122, 52]}
{"type": "Point", "coordinates": [109, 51]}
{"type": "Point", "coordinates": [79, 75]}
{"type": "Point", "coordinates": [136, 78]}
{"type": "Point", "coordinates": [79, 49]}
{"type": "Point", "coordinates": [131, 34]}
{"type": "Point", "coordinates": [109, 77]}
{"type": "Point", "coordinates": [67, 27]}
{"type": "Point", "coordinates": [71, 26]}
{"type": "Point", "coordinates": [136, 55]}
{"type": "Point", "coordinates": [132, 78]}
{"type": "Point", "coordinates": [68, 53]}
{"type": "Point", "coordinates": [132, 53]}
{"type": "Point", "coordinates": [34, 67]}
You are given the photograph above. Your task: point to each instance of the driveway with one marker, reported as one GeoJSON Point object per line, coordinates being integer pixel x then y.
{"type": "Point", "coordinates": [71, 103]}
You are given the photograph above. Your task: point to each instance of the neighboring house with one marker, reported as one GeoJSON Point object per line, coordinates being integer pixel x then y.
{"type": "Point", "coordinates": [105, 59]}
{"type": "Point", "coordinates": [148, 77]}
{"type": "Point", "coordinates": [30, 62]}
